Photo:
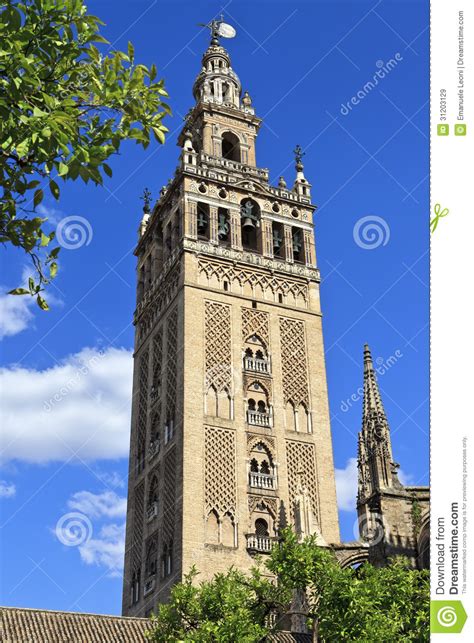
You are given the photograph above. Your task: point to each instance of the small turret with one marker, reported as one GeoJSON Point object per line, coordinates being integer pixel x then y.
{"type": "Point", "coordinates": [301, 185]}
{"type": "Point", "coordinates": [146, 198]}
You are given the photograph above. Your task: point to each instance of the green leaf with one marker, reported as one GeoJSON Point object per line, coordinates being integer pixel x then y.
{"type": "Point", "coordinates": [160, 137]}
{"type": "Point", "coordinates": [54, 188]}
{"type": "Point", "coordinates": [62, 169]}
{"type": "Point", "coordinates": [42, 303]}
{"type": "Point", "coordinates": [107, 169]}
{"type": "Point", "coordinates": [19, 291]}
{"type": "Point", "coordinates": [53, 269]}
{"type": "Point", "coordinates": [38, 197]}
{"type": "Point", "coordinates": [44, 240]}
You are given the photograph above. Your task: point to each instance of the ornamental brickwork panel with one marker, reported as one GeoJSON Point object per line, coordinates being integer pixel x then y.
{"type": "Point", "coordinates": [169, 495]}
{"type": "Point", "coordinates": [294, 362]}
{"type": "Point", "coordinates": [137, 532]}
{"type": "Point", "coordinates": [140, 444]}
{"type": "Point", "coordinates": [218, 343]}
{"type": "Point", "coordinates": [220, 493]}
{"type": "Point", "coordinates": [270, 286]}
{"type": "Point", "coordinates": [157, 357]}
{"type": "Point", "coordinates": [255, 322]}
{"type": "Point", "coordinates": [301, 465]}
{"type": "Point", "coordinates": [171, 363]}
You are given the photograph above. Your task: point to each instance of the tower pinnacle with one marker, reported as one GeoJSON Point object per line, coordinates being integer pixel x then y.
{"type": "Point", "coordinates": [377, 470]}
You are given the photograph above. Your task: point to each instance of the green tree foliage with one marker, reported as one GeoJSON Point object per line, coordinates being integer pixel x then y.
{"type": "Point", "coordinates": [231, 607]}
{"type": "Point", "coordinates": [65, 108]}
{"type": "Point", "coordinates": [368, 604]}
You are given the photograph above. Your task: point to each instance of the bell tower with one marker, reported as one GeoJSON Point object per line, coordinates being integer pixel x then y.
{"type": "Point", "coordinates": [230, 417]}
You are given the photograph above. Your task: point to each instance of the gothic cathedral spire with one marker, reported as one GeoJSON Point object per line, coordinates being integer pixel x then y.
{"type": "Point", "coordinates": [377, 470]}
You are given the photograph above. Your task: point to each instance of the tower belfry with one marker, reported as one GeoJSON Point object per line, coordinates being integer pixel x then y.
{"type": "Point", "coordinates": [230, 420]}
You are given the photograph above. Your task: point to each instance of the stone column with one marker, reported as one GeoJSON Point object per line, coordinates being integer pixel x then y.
{"type": "Point", "coordinates": [309, 253]}
{"type": "Point", "coordinates": [267, 238]}
{"type": "Point", "coordinates": [288, 244]}
{"type": "Point", "coordinates": [235, 231]}
{"type": "Point", "coordinates": [213, 225]}
{"type": "Point", "coordinates": [190, 223]}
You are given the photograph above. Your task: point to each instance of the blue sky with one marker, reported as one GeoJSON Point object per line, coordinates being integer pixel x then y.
{"type": "Point", "coordinates": [66, 376]}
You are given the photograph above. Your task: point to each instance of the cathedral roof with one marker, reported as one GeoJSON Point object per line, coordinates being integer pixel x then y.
{"type": "Point", "coordinates": [23, 625]}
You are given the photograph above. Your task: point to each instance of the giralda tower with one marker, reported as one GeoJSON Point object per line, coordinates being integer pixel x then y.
{"type": "Point", "coordinates": [230, 424]}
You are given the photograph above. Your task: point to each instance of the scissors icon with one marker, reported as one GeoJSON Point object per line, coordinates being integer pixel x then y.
{"type": "Point", "coordinates": [438, 215]}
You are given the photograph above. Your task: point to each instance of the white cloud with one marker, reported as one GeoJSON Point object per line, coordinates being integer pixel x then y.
{"type": "Point", "coordinates": [53, 215]}
{"type": "Point", "coordinates": [107, 550]}
{"type": "Point", "coordinates": [7, 489]}
{"type": "Point", "coordinates": [113, 479]}
{"type": "Point", "coordinates": [94, 505]}
{"type": "Point", "coordinates": [105, 513]}
{"type": "Point", "coordinates": [346, 484]}
{"type": "Point", "coordinates": [15, 313]}
{"type": "Point", "coordinates": [81, 405]}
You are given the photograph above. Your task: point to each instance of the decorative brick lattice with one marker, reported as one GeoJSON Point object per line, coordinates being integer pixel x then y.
{"type": "Point", "coordinates": [171, 363]}
{"type": "Point", "coordinates": [157, 364]}
{"type": "Point", "coordinates": [294, 362]}
{"type": "Point", "coordinates": [218, 339]}
{"type": "Point", "coordinates": [271, 286]}
{"type": "Point", "coordinates": [142, 410]}
{"type": "Point", "coordinates": [255, 322]}
{"type": "Point", "coordinates": [220, 484]}
{"type": "Point", "coordinates": [137, 531]}
{"type": "Point", "coordinates": [300, 461]}
{"type": "Point", "coordinates": [158, 301]}
{"type": "Point", "coordinates": [169, 495]}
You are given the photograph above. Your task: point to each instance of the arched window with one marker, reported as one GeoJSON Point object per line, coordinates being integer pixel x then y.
{"type": "Point", "coordinates": [135, 587]}
{"type": "Point", "coordinates": [261, 407]}
{"type": "Point", "coordinates": [252, 404]}
{"type": "Point", "coordinates": [278, 240]}
{"type": "Point", "coordinates": [250, 224]}
{"type": "Point", "coordinates": [298, 250]}
{"type": "Point", "coordinates": [151, 560]}
{"type": "Point", "coordinates": [230, 147]}
{"type": "Point", "coordinates": [254, 465]}
{"type": "Point", "coordinates": [153, 493]}
{"type": "Point", "coordinates": [203, 220]}
{"type": "Point", "coordinates": [166, 560]}
{"type": "Point", "coordinates": [265, 467]}
{"type": "Point", "coordinates": [261, 527]}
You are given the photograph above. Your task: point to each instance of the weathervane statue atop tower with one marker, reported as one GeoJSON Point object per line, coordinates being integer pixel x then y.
{"type": "Point", "coordinates": [219, 29]}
